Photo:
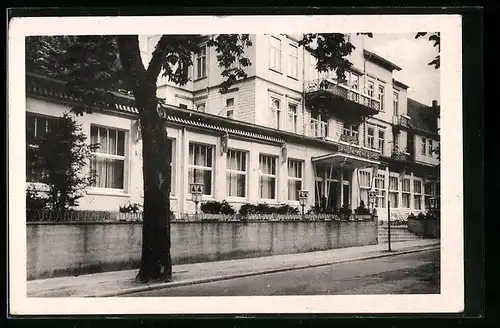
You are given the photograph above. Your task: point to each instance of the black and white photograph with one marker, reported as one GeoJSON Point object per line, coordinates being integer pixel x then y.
{"type": "Point", "coordinates": [237, 164]}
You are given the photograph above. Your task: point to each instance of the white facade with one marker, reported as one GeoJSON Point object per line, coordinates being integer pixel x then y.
{"type": "Point", "coordinates": [272, 96]}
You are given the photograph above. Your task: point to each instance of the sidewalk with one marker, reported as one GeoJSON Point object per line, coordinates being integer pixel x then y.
{"type": "Point", "coordinates": [122, 282]}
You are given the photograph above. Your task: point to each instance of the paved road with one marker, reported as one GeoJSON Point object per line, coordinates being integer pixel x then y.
{"type": "Point", "coordinates": [414, 273]}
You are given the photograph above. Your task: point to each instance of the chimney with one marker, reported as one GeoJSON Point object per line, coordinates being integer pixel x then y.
{"type": "Point", "coordinates": [436, 107]}
{"type": "Point", "coordinates": [434, 103]}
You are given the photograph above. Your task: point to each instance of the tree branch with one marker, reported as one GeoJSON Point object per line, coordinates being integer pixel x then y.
{"type": "Point", "coordinates": [157, 58]}
{"type": "Point", "coordinates": [130, 58]}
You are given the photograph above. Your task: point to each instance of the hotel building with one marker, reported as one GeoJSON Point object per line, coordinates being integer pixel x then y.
{"type": "Point", "coordinates": [283, 128]}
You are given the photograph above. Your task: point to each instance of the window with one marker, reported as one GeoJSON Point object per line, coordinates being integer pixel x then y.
{"type": "Point", "coordinates": [36, 128]}
{"type": "Point", "coordinates": [230, 108]}
{"type": "Point", "coordinates": [295, 176]}
{"type": "Point", "coordinates": [200, 107]}
{"type": "Point", "coordinates": [267, 176]}
{"type": "Point", "coordinates": [395, 104]}
{"type": "Point", "coordinates": [381, 141]}
{"type": "Point", "coordinates": [393, 191]}
{"type": "Point", "coordinates": [292, 118]}
{"type": "Point", "coordinates": [236, 176]}
{"type": "Point", "coordinates": [292, 61]}
{"type": "Point", "coordinates": [275, 55]}
{"type": "Point", "coordinates": [381, 96]}
{"type": "Point", "coordinates": [354, 82]}
{"type": "Point", "coordinates": [351, 130]}
{"type": "Point", "coordinates": [429, 142]}
{"type": "Point", "coordinates": [201, 163]}
{"type": "Point", "coordinates": [371, 88]}
{"type": "Point", "coordinates": [405, 188]}
{"type": "Point", "coordinates": [417, 194]}
{"type": "Point", "coordinates": [183, 106]}
{"type": "Point", "coordinates": [371, 137]}
{"type": "Point", "coordinates": [380, 188]}
{"type": "Point", "coordinates": [430, 191]}
{"type": "Point", "coordinates": [275, 113]}
{"type": "Point", "coordinates": [108, 161]}
{"type": "Point", "coordinates": [396, 141]}
{"type": "Point", "coordinates": [201, 63]}
{"type": "Point", "coordinates": [365, 185]}
{"type": "Point", "coordinates": [424, 144]}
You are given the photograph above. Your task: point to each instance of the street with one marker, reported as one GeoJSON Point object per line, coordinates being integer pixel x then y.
{"type": "Point", "coordinates": [413, 273]}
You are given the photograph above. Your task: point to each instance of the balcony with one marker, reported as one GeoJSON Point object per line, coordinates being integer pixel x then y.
{"type": "Point", "coordinates": [318, 129]}
{"type": "Point", "coordinates": [339, 99]}
{"type": "Point", "coordinates": [400, 121]}
{"type": "Point", "coordinates": [400, 155]}
{"type": "Point", "coordinates": [349, 139]}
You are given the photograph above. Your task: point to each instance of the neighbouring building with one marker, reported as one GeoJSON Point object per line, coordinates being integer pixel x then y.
{"type": "Point", "coordinates": [282, 129]}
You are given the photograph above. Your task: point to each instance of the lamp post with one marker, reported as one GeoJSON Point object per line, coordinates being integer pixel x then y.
{"type": "Point", "coordinates": [303, 200]}
{"type": "Point", "coordinates": [196, 189]}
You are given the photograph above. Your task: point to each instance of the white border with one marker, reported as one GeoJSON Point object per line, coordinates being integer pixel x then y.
{"type": "Point", "coordinates": [451, 298]}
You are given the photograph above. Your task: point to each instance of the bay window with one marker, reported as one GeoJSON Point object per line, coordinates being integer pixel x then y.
{"type": "Point", "coordinates": [394, 191]}
{"type": "Point", "coordinates": [406, 192]}
{"type": "Point", "coordinates": [36, 128]}
{"type": "Point", "coordinates": [380, 189]}
{"type": "Point", "coordinates": [275, 54]}
{"type": "Point", "coordinates": [365, 185]}
{"type": "Point", "coordinates": [292, 118]}
{"type": "Point", "coordinates": [275, 113]}
{"type": "Point", "coordinates": [108, 160]}
{"type": "Point", "coordinates": [295, 178]}
{"type": "Point", "coordinates": [201, 165]}
{"type": "Point", "coordinates": [293, 61]}
{"type": "Point", "coordinates": [267, 176]}
{"type": "Point", "coordinates": [201, 63]}
{"type": "Point", "coordinates": [236, 175]}
{"type": "Point", "coordinates": [417, 194]}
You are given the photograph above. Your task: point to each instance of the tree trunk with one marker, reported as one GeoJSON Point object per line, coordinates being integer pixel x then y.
{"type": "Point", "coordinates": [156, 150]}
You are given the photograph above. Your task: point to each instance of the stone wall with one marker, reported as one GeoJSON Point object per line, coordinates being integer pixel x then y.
{"type": "Point", "coordinates": [62, 249]}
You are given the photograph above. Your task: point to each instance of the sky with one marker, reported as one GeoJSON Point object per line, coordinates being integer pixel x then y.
{"type": "Point", "coordinates": [412, 56]}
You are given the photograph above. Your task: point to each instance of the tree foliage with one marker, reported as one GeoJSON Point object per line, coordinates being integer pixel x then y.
{"type": "Point", "coordinates": [60, 158]}
{"type": "Point", "coordinates": [436, 38]}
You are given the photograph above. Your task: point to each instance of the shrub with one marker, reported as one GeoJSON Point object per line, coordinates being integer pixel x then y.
{"type": "Point", "coordinates": [421, 216]}
{"type": "Point", "coordinates": [361, 209]}
{"type": "Point", "coordinates": [215, 207]}
{"type": "Point", "coordinates": [263, 208]}
{"type": "Point", "coordinates": [412, 216]}
{"type": "Point", "coordinates": [130, 208]}
{"type": "Point", "coordinates": [34, 201]}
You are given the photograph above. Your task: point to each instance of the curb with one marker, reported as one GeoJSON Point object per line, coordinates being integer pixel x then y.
{"type": "Point", "coordinates": [256, 273]}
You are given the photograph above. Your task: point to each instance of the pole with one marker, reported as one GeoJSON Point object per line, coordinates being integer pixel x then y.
{"type": "Point", "coordinates": [303, 217]}
{"type": "Point", "coordinates": [196, 210]}
{"type": "Point", "coordinates": [389, 224]}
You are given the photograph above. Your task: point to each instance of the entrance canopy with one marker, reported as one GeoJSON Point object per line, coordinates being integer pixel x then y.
{"type": "Point", "coordinates": [343, 160]}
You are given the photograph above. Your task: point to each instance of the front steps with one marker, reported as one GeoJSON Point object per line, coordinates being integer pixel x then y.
{"type": "Point", "coordinates": [398, 233]}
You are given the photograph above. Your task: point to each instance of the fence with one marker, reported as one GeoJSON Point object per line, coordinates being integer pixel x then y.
{"type": "Point", "coordinates": [105, 216]}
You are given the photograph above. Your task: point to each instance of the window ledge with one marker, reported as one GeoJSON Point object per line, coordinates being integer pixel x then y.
{"type": "Point", "coordinates": [293, 78]}
{"type": "Point", "coordinates": [241, 200]}
{"type": "Point", "coordinates": [107, 192]}
{"type": "Point", "coordinates": [275, 71]}
{"type": "Point", "coordinates": [199, 79]}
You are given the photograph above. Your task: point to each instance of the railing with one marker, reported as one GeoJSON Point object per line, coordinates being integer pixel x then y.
{"type": "Point", "coordinates": [400, 120]}
{"type": "Point", "coordinates": [349, 139]}
{"type": "Point", "coordinates": [74, 216]}
{"type": "Point", "coordinates": [341, 90]}
{"type": "Point", "coordinates": [318, 129]}
{"type": "Point", "coordinates": [400, 155]}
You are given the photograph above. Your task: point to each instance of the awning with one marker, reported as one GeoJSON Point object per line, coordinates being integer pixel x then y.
{"type": "Point", "coordinates": [346, 161]}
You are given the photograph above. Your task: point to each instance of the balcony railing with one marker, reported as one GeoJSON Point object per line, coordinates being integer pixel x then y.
{"type": "Point", "coordinates": [318, 129]}
{"type": "Point", "coordinates": [349, 139]}
{"type": "Point", "coordinates": [400, 121]}
{"type": "Point", "coordinates": [400, 155]}
{"type": "Point", "coordinates": [341, 90]}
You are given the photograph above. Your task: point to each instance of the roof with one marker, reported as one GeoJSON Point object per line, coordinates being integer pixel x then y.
{"type": "Point", "coordinates": [423, 118]}
{"type": "Point", "coordinates": [380, 60]}
{"type": "Point", "coordinates": [399, 84]}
